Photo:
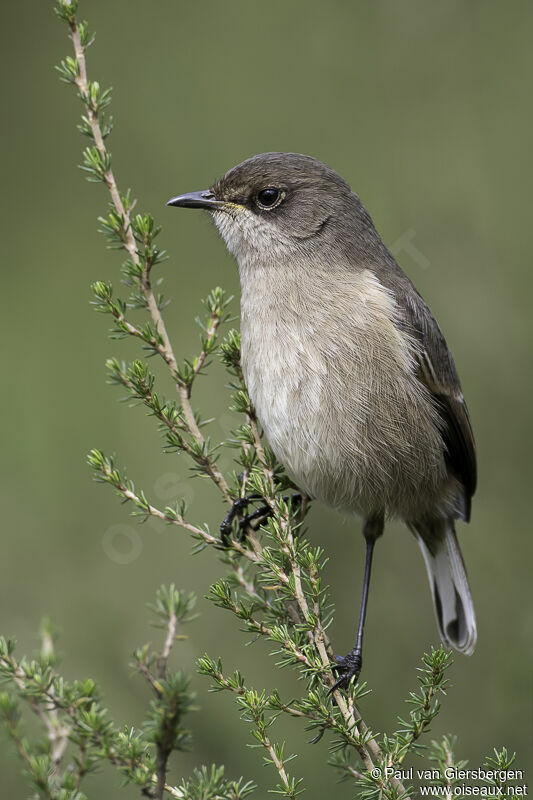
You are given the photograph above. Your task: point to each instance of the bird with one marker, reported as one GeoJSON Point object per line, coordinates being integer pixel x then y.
{"type": "Point", "coordinates": [349, 374]}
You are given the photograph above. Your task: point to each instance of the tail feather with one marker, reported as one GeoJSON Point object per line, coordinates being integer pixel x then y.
{"type": "Point", "coordinates": [448, 581]}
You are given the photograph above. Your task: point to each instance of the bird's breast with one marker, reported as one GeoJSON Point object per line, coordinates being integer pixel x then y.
{"type": "Point", "coordinates": [332, 380]}
{"type": "Point", "coordinates": [286, 378]}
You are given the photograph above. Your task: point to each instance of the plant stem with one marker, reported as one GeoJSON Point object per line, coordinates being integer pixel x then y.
{"type": "Point", "coordinates": [164, 349]}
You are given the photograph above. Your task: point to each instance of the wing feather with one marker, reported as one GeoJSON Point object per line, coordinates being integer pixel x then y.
{"type": "Point", "coordinates": [436, 370]}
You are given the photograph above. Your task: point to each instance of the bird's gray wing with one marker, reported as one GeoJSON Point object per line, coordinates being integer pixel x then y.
{"type": "Point", "coordinates": [437, 372]}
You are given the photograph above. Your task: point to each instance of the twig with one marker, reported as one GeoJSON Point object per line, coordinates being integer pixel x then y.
{"type": "Point", "coordinates": [259, 449]}
{"type": "Point", "coordinates": [177, 519]}
{"type": "Point", "coordinates": [164, 348]}
{"type": "Point", "coordinates": [169, 642]}
{"type": "Point", "coordinates": [19, 743]}
{"type": "Point", "coordinates": [214, 324]}
{"type": "Point", "coordinates": [370, 752]}
{"type": "Point", "coordinates": [57, 732]}
{"type": "Point", "coordinates": [278, 763]}
{"type": "Point", "coordinates": [449, 763]}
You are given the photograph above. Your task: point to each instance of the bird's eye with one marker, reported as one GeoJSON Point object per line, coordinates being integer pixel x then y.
{"type": "Point", "coordinates": [269, 198]}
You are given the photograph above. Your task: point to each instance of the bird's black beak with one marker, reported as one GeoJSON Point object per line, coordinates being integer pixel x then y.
{"type": "Point", "coordinates": [205, 199]}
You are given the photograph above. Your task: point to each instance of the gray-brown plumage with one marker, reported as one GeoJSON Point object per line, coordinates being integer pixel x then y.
{"type": "Point", "coordinates": [349, 373]}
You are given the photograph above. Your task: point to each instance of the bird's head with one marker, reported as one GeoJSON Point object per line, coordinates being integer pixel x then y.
{"type": "Point", "coordinates": [275, 202]}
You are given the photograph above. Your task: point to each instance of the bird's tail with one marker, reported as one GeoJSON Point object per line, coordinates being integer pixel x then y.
{"type": "Point", "coordinates": [448, 581]}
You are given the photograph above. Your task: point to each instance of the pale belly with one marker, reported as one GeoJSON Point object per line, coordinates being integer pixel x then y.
{"type": "Point", "coordinates": [358, 434]}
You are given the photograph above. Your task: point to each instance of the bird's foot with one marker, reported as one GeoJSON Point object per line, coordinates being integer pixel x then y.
{"type": "Point", "coordinates": [237, 508]}
{"type": "Point", "coordinates": [349, 667]}
{"type": "Point", "coordinates": [240, 505]}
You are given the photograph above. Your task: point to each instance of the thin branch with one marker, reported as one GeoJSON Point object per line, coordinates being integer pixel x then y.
{"type": "Point", "coordinates": [449, 763]}
{"type": "Point", "coordinates": [259, 449]}
{"type": "Point", "coordinates": [264, 630]}
{"type": "Point", "coordinates": [179, 520]}
{"type": "Point", "coordinates": [169, 642]}
{"type": "Point", "coordinates": [165, 347]}
{"type": "Point", "coordinates": [19, 744]}
{"type": "Point", "coordinates": [57, 732]}
{"type": "Point", "coordinates": [278, 763]}
{"type": "Point", "coordinates": [214, 324]}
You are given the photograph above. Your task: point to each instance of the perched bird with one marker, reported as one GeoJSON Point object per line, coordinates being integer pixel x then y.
{"type": "Point", "coordinates": [349, 373]}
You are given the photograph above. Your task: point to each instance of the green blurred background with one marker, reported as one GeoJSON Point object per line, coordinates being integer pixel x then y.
{"type": "Point", "coordinates": [424, 108]}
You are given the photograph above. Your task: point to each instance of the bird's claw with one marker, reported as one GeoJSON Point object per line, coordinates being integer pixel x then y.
{"type": "Point", "coordinates": [349, 668]}
{"type": "Point", "coordinates": [240, 505]}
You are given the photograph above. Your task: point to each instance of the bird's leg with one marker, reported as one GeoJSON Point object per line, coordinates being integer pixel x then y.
{"type": "Point", "coordinates": [350, 666]}
{"type": "Point", "coordinates": [261, 513]}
